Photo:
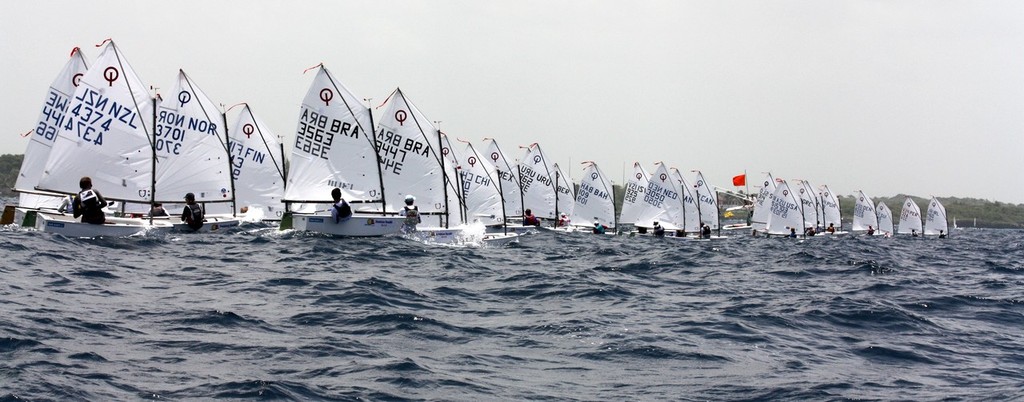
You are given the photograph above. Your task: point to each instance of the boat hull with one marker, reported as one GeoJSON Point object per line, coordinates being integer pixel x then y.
{"type": "Point", "coordinates": [68, 226]}
{"type": "Point", "coordinates": [356, 226]}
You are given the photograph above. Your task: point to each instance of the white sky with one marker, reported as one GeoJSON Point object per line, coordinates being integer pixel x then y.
{"type": "Point", "coordinates": [916, 97]}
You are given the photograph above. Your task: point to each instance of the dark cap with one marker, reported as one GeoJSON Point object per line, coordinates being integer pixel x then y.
{"type": "Point", "coordinates": [190, 196]}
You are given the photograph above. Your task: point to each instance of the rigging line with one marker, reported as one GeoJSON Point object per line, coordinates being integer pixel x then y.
{"type": "Point", "coordinates": [127, 82]}
{"type": "Point", "coordinates": [344, 99]}
{"type": "Point", "coordinates": [263, 138]}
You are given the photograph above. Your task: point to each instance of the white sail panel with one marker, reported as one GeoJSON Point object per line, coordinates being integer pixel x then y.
{"type": "Point", "coordinates": [885, 224]}
{"type": "Point", "coordinates": [864, 213]}
{"type": "Point", "coordinates": [594, 201]}
{"type": "Point", "coordinates": [689, 213]}
{"type": "Point", "coordinates": [566, 201]}
{"type": "Point", "coordinates": [536, 180]}
{"type": "Point", "coordinates": [633, 195]}
{"type": "Point", "coordinates": [808, 203]}
{"type": "Point", "coordinates": [108, 135]}
{"type": "Point", "coordinates": [453, 188]}
{"type": "Point", "coordinates": [935, 222]}
{"type": "Point", "coordinates": [830, 209]}
{"type": "Point", "coordinates": [661, 202]}
{"type": "Point", "coordinates": [410, 158]}
{"type": "Point", "coordinates": [257, 166]}
{"type": "Point", "coordinates": [784, 211]}
{"type": "Point", "coordinates": [480, 188]}
{"type": "Point", "coordinates": [334, 146]}
{"type": "Point", "coordinates": [707, 201]}
{"type": "Point", "coordinates": [910, 218]}
{"type": "Point", "coordinates": [52, 119]}
{"type": "Point", "coordinates": [508, 173]}
{"type": "Point", "coordinates": [762, 206]}
{"type": "Point", "coordinates": [190, 153]}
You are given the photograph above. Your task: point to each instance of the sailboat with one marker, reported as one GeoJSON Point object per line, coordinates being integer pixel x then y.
{"type": "Point", "coordinates": [481, 188]}
{"type": "Point", "coordinates": [191, 155]}
{"type": "Point", "coordinates": [257, 161]}
{"type": "Point", "coordinates": [936, 224]}
{"type": "Point", "coordinates": [661, 203]}
{"type": "Point", "coordinates": [910, 218]}
{"type": "Point", "coordinates": [633, 197]}
{"type": "Point", "coordinates": [885, 223]}
{"type": "Point", "coordinates": [106, 137]}
{"type": "Point", "coordinates": [785, 214]}
{"type": "Point", "coordinates": [508, 174]}
{"type": "Point", "coordinates": [762, 205]}
{"type": "Point", "coordinates": [595, 200]}
{"type": "Point", "coordinates": [707, 199]}
{"type": "Point", "coordinates": [809, 204]}
{"type": "Point", "coordinates": [689, 218]}
{"type": "Point", "coordinates": [335, 147]}
{"type": "Point", "coordinates": [864, 213]}
{"type": "Point", "coordinates": [538, 185]}
{"type": "Point", "coordinates": [52, 119]}
{"type": "Point", "coordinates": [830, 211]}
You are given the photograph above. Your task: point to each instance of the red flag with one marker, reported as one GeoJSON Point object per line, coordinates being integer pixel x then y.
{"type": "Point", "coordinates": [740, 180]}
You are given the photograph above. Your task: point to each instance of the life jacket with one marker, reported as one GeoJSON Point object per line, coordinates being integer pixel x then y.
{"type": "Point", "coordinates": [194, 218]}
{"type": "Point", "coordinates": [88, 199]}
{"type": "Point", "coordinates": [412, 215]}
{"type": "Point", "coordinates": [343, 210]}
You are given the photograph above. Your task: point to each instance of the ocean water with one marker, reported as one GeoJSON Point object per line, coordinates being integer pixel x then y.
{"type": "Point", "coordinates": [257, 313]}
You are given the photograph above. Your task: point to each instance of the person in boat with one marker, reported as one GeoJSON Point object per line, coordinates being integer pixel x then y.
{"type": "Point", "coordinates": [89, 203]}
{"type": "Point", "coordinates": [411, 214]}
{"type": "Point", "coordinates": [563, 220]}
{"type": "Point", "coordinates": [705, 231]}
{"type": "Point", "coordinates": [913, 232]}
{"type": "Point", "coordinates": [831, 228]}
{"type": "Point", "coordinates": [871, 230]}
{"type": "Point", "coordinates": [529, 219]}
{"type": "Point", "coordinates": [809, 231]}
{"type": "Point", "coordinates": [157, 210]}
{"type": "Point", "coordinates": [658, 230]}
{"type": "Point", "coordinates": [818, 228]}
{"type": "Point", "coordinates": [598, 227]}
{"type": "Point", "coordinates": [340, 210]}
{"type": "Point", "coordinates": [66, 204]}
{"type": "Point", "coordinates": [792, 232]}
{"type": "Point", "coordinates": [942, 234]}
{"type": "Point", "coordinates": [192, 214]}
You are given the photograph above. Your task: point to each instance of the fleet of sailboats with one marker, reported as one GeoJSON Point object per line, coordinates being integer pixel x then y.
{"type": "Point", "coordinates": [141, 148]}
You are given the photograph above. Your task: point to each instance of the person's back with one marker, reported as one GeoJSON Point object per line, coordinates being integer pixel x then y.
{"type": "Point", "coordinates": [706, 232]}
{"type": "Point", "coordinates": [658, 230]}
{"type": "Point", "coordinates": [157, 210]}
{"type": "Point", "coordinates": [598, 228]}
{"type": "Point", "coordinates": [340, 210]}
{"type": "Point", "coordinates": [192, 214]}
{"type": "Point", "coordinates": [871, 231]}
{"type": "Point", "coordinates": [89, 203]}
{"type": "Point", "coordinates": [411, 214]}
{"type": "Point", "coordinates": [530, 220]}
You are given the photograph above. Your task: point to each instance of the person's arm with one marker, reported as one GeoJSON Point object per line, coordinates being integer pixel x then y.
{"type": "Point", "coordinates": [185, 214]}
{"type": "Point", "coordinates": [76, 207]}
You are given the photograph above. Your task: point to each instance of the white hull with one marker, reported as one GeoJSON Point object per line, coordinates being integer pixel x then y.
{"type": "Point", "coordinates": [69, 226]}
{"type": "Point", "coordinates": [462, 235]}
{"type": "Point", "coordinates": [210, 223]}
{"type": "Point", "coordinates": [497, 239]}
{"type": "Point", "coordinates": [359, 225]}
{"type": "Point", "coordinates": [519, 229]}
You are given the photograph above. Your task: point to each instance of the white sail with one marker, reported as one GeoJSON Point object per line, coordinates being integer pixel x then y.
{"type": "Point", "coordinates": [633, 195]}
{"type": "Point", "coordinates": [831, 214]}
{"type": "Point", "coordinates": [566, 200]}
{"type": "Point", "coordinates": [708, 202]}
{"type": "Point", "coordinates": [864, 213]}
{"type": "Point", "coordinates": [257, 167]}
{"type": "Point", "coordinates": [334, 147]}
{"type": "Point", "coordinates": [410, 157]}
{"type": "Point", "coordinates": [661, 201]}
{"type": "Point", "coordinates": [935, 223]}
{"type": "Point", "coordinates": [784, 209]}
{"type": "Point", "coordinates": [452, 165]}
{"type": "Point", "coordinates": [910, 218]}
{"type": "Point", "coordinates": [480, 187]}
{"type": "Point", "coordinates": [509, 175]}
{"type": "Point", "coordinates": [190, 153]}
{"type": "Point", "coordinates": [595, 199]}
{"type": "Point", "coordinates": [762, 206]}
{"type": "Point", "coordinates": [808, 203]}
{"type": "Point", "coordinates": [108, 136]}
{"type": "Point", "coordinates": [689, 214]}
{"type": "Point", "coordinates": [537, 182]}
{"type": "Point", "coordinates": [53, 118]}
{"type": "Point", "coordinates": [885, 224]}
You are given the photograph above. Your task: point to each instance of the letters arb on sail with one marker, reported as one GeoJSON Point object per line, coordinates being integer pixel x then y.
{"type": "Point", "coordinates": [633, 195]}
{"type": "Point", "coordinates": [594, 198]}
{"type": "Point", "coordinates": [256, 166]}
{"type": "Point", "coordinates": [410, 158]}
{"type": "Point", "coordinates": [52, 119]}
{"type": "Point", "coordinates": [334, 146]}
{"type": "Point", "coordinates": [189, 142]}
{"type": "Point", "coordinates": [508, 173]}
{"type": "Point", "coordinates": [109, 133]}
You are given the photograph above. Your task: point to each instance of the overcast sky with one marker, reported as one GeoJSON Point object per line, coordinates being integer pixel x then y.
{"type": "Point", "coordinates": [889, 97]}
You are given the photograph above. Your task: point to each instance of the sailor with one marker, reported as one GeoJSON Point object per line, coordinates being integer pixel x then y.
{"type": "Point", "coordinates": [942, 234]}
{"type": "Point", "coordinates": [658, 230]}
{"type": "Point", "coordinates": [792, 232]}
{"type": "Point", "coordinates": [913, 232]}
{"type": "Point", "coordinates": [598, 227]}
{"type": "Point", "coordinates": [157, 210]}
{"type": "Point", "coordinates": [411, 214]}
{"type": "Point", "coordinates": [89, 203]}
{"type": "Point", "coordinates": [340, 211]}
{"type": "Point", "coordinates": [192, 214]}
{"type": "Point", "coordinates": [871, 230]}
{"type": "Point", "coordinates": [705, 231]}
{"type": "Point", "coordinates": [529, 219]}
{"type": "Point", "coordinates": [831, 228]}
{"type": "Point", "coordinates": [563, 220]}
